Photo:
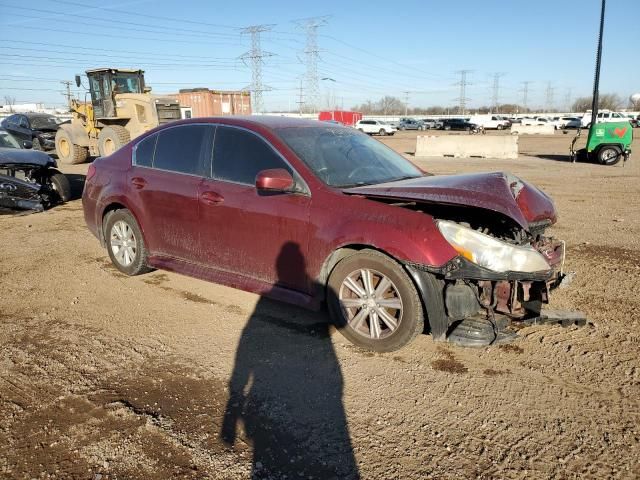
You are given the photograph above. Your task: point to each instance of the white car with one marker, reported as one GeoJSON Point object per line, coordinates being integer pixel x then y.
{"type": "Point", "coordinates": [375, 126]}
{"type": "Point", "coordinates": [538, 121]}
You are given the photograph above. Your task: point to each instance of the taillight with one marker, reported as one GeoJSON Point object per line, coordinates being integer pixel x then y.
{"type": "Point", "coordinates": [91, 172]}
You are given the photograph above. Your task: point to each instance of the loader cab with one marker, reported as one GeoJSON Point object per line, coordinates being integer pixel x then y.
{"type": "Point", "coordinates": [105, 83]}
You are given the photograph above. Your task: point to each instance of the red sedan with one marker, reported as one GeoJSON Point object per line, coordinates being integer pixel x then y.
{"type": "Point", "coordinates": [314, 214]}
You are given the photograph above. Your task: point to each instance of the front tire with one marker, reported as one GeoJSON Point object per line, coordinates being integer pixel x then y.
{"type": "Point", "coordinates": [67, 151]}
{"type": "Point", "coordinates": [373, 302]}
{"type": "Point", "coordinates": [125, 243]}
{"type": "Point", "coordinates": [112, 138]}
{"type": "Point", "coordinates": [36, 145]}
{"type": "Point", "coordinates": [609, 155]}
{"type": "Point", "coordinates": [60, 185]}
{"type": "Point", "coordinates": [382, 132]}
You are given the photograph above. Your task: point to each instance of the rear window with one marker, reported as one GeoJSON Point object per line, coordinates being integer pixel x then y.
{"type": "Point", "coordinates": [183, 149]}
{"type": "Point", "coordinates": [143, 156]}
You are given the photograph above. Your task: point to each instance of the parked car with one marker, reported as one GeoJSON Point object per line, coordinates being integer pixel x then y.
{"type": "Point", "coordinates": [489, 122]}
{"type": "Point", "coordinates": [38, 128]}
{"type": "Point", "coordinates": [432, 123]}
{"type": "Point", "coordinates": [457, 124]}
{"type": "Point", "coordinates": [317, 214]}
{"type": "Point", "coordinates": [604, 116]}
{"type": "Point", "coordinates": [572, 122]}
{"type": "Point", "coordinates": [28, 178]}
{"type": "Point", "coordinates": [411, 124]}
{"type": "Point", "coordinates": [375, 126]}
{"type": "Point", "coordinates": [538, 121]}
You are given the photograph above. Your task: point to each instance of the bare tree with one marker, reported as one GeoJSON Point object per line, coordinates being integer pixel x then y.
{"type": "Point", "coordinates": [607, 101]}
{"type": "Point", "coordinates": [10, 102]}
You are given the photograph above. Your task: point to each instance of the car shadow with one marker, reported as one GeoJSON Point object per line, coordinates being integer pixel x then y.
{"type": "Point", "coordinates": [286, 390]}
{"type": "Point", "coordinates": [554, 157]}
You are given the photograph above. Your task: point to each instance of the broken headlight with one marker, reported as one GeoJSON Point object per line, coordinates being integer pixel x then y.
{"type": "Point", "coordinates": [491, 253]}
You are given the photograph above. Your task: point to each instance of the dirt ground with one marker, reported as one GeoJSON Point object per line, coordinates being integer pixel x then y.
{"type": "Point", "coordinates": [103, 376]}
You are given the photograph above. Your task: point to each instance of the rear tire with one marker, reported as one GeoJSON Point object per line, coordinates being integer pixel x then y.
{"type": "Point", "coordinates": [125, 243]}
{"type": "Point", "coordinates": [382, 319]}
{"type": "Point", "coordinates": [112, 138]}
{"type": "Point", "coordinates": [36, 145]}
{"type": "Point", "coordinates": [609, 155]}
{"type": "Point", "coordinates": [67, 151]}
{"type": "Point", "coordinates": [60, 184]}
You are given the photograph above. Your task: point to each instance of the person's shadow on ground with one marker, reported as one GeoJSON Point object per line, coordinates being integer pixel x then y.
{"type": "Point", "coordinates": [286, 392]}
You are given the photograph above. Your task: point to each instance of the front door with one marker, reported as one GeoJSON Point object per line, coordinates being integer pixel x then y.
{"type": "Point", "coordinates": [246, 232]}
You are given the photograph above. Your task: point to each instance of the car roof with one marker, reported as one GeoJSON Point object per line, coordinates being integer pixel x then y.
{"type": "Point", "coordinates": [268, 121]}
{"type": "Point", "coordinates": [36, 114]}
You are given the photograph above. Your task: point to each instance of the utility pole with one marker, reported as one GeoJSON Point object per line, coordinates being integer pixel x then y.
{"type": "Point", "coordinates": [406, 102]}
{"type": "Point", "coordinates": [255, 57]}
{"type": "Point", "coordinates": [462, 99]}
{"type": "Point", "coordinates": [300, 100]}
{"type": "Point", "coordinates": [525, 94]}
{"type": "Point", "coordinates": [549, 97]}
{"type": "Point", "coordinates": [312, 53]}
{"type": "Point", "coordinates": [496, 91]}
{"type": "Point", "coordinates": [67, 94]}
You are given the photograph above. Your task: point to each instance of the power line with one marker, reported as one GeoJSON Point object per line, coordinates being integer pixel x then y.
{"type": "Point", "coordinates": [311, 25]}
{"type": "Point", "coordinates": [67, 94]}
{"type": "Point", "coordinates": [256, 56]}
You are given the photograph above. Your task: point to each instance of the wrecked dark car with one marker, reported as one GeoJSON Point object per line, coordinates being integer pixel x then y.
{"type": "Point", "coordinates": [38, 128]}
{"type": "Point", "coordinates": [28, 178]}
{"type": "Point", "coordinates": [318, 214]}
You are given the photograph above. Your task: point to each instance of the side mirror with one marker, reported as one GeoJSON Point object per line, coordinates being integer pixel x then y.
{"type": "Point", "coordinates": [78, 81]}
{"type": "Point", "coordinates": [274, 180]}
{"type": "Point", "coordinates": [27, 144]}
{"type": "Point", "coordinates": [146, 89]}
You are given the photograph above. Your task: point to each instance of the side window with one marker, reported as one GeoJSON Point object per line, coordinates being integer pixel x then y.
{"type": "Point", "coordinates": [23, 122]}
{"type": "Point", "coordinates": [143, 156]}
{"type": "Point", "coordinates": [183, 149]}
{"type": "Point", "coordinates": [239, 155]}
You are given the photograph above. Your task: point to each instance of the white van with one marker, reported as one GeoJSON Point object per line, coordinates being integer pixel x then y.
{"type": "Point", "coordinates": [489, 121]}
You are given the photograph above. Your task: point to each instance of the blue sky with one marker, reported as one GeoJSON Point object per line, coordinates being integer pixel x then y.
{"type": "Point", "coordinates": [370, 48]}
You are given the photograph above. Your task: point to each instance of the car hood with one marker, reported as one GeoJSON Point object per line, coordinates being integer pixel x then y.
{"type": "Point", "coordinates": [497, 191]}
{"type": "Point", "coordinates": [23, 157]}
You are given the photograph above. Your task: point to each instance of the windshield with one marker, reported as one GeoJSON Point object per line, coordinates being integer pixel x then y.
{"type": "Point", "coordinates": [8, 141]}
{"type": "Point", "coordinates": [38, 123]}
{"type": "Point", "coordinates": [342, 157]}
{"type": "Point", "coordinates": [123, 83]}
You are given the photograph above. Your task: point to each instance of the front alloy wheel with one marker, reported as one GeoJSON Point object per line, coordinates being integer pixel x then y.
{"type": "Point", "coordinates": [125, 244]}
{"type": "Point", "coordinates": [373, 302]}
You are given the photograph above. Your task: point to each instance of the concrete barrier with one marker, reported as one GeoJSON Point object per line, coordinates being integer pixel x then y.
{"type": "Point", "coordinates": [532, 129]}
{"type": "Point", "coordinates": [487, 146]}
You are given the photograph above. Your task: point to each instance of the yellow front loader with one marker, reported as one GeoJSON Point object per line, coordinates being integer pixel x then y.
{"type": "Point", "coordinates": [120, 109]}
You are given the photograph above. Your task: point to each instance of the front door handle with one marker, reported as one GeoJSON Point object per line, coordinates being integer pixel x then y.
{"type": "Point", "coordinates": [138, 182]}
{"type": "Point", "coordinates": [211, 198]}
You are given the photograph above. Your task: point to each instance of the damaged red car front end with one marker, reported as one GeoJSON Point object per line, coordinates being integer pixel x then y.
{"type": "Point", "coordinates": [505, 265]}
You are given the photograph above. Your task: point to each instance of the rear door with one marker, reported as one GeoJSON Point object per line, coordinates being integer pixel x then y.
{"type": "Point", "coordinates": [244, 231]}
{"type": "Point", "coordinates": [167, 170]}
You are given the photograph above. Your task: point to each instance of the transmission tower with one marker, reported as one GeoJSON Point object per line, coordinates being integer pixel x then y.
{"type": "Point", "coordinates": [255, 58]}
{"type": "Point", "coordinates": [549, 97]}
{"type": "Point", "coordinates": [406, 102]}
{"type": "Point", "coordinates": [312, 53]}
{"type": "Point", "coordinates": [525, 93]}
{"type": "Point", "coordinates": [462, 99]}
{"type": "Point", "coordinates": [496, 91]}
{"type": "Point", "coordinates": [567, 99]}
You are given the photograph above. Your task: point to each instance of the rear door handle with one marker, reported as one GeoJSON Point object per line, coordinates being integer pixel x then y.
{"type": "Point", "coordinates": [138, 182]}
{"type": "Point", "coordinates": [211, 198]}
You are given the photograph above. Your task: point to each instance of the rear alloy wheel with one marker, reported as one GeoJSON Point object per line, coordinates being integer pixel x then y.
{"type": "Point", "coordinates": [499, 127]}
{"type": "Point", "coordinates": [36, 145]}
{"type": "Point", "coordinates": [111, 138]}
{"type": "Point", "coordinates": [125, 244]}
{"type": "Point", "coordinates": [609, 155]}
{"type": "Point", "coordinates": [374, 303]}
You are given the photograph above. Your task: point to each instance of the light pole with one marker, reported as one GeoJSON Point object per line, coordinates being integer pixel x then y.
{"type": "Point", "coordinates": [329, 79]}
